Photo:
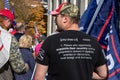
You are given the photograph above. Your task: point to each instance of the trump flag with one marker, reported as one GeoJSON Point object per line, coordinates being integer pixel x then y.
{"type": "Point", "coordinates": [103, 24]}
{"type": "Point", "coordinates": [113, 54]}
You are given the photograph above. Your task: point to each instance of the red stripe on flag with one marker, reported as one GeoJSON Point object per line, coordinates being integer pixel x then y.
{"type": "Point", "coordinates": [104, 47]}
{"type": "Point", "coordinates": [114, 48]}
{"type": "Point", "coordinates": [105, 25]}
{"type": "Point", "coordinates": [113, 73]}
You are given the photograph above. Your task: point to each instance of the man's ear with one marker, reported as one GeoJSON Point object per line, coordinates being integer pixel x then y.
{"type": "Point", "coordinates": [65, 19]}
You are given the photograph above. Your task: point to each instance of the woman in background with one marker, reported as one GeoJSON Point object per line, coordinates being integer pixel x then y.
{"type": "Point", "coordinates": [25, 43]}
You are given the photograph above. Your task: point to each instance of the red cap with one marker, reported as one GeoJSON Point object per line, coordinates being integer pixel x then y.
{"type": "Point", "coordinates": [7, 13]}
{"type": "Point", "coordinates": [57, 11]}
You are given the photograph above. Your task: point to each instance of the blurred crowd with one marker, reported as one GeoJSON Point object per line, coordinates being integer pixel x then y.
{"type": "Point", "coordinates": [20, 48]}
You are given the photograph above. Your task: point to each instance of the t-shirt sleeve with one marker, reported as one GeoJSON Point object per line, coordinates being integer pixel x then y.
{"type": "Point", "coordinates": [43, 57]}
{"type": "Point", "coordinates": [101, 59]}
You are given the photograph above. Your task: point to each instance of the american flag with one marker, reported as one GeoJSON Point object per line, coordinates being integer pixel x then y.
{"type": "Point", "coordinates": [6, 4]}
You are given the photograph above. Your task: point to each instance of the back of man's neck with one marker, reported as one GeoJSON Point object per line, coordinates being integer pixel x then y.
{"type": "Point", "coordinates": [73, 27]}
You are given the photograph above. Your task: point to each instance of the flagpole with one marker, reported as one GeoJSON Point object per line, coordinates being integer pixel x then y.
{"type": "Point", "coordinates": [33, 72]}
{"type": "Point", "coordinates": [36, 33]}
{"type": "Point", "coordinates": [94, 16]}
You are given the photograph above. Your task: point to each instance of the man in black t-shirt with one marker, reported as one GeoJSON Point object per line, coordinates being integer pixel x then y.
{"type": "Point", "coordinates": [70, 54]}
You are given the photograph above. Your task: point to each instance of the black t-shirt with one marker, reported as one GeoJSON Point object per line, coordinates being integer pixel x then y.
{"type": "Point", "coordinates": [18, 35]}
{"type": "Point", "coordinates": [70, 55]}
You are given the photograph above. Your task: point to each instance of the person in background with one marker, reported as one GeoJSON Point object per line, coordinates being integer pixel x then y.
{"type": "Point", "coordinates": [71, 54]}
{"type": "Point", "coordinates": [10, 56]}
{"type": "Point", "coordinates": [38, 46]}
{"type": "Point", "coordinates": [20, 30]}
{"type": "Point", "coordinates": [25, 43]}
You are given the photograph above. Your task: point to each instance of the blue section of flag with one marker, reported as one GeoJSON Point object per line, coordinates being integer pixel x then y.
{"type": "Point", "coordinates": [101, 19]}
{"type": "Point", "coordinates": [87, 16]}
{"type": "Point", "coordinates": [6, 4]}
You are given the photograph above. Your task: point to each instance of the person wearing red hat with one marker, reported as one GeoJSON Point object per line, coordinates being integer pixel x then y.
{"type": "Point", "coordinates": [7, 17]}
{"type": "Point", "coordinates": [7, 13]}
{"type": "Point", "coordinates": [10, 56]}
{"type": "Point", "coordinates": [70, 54]}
